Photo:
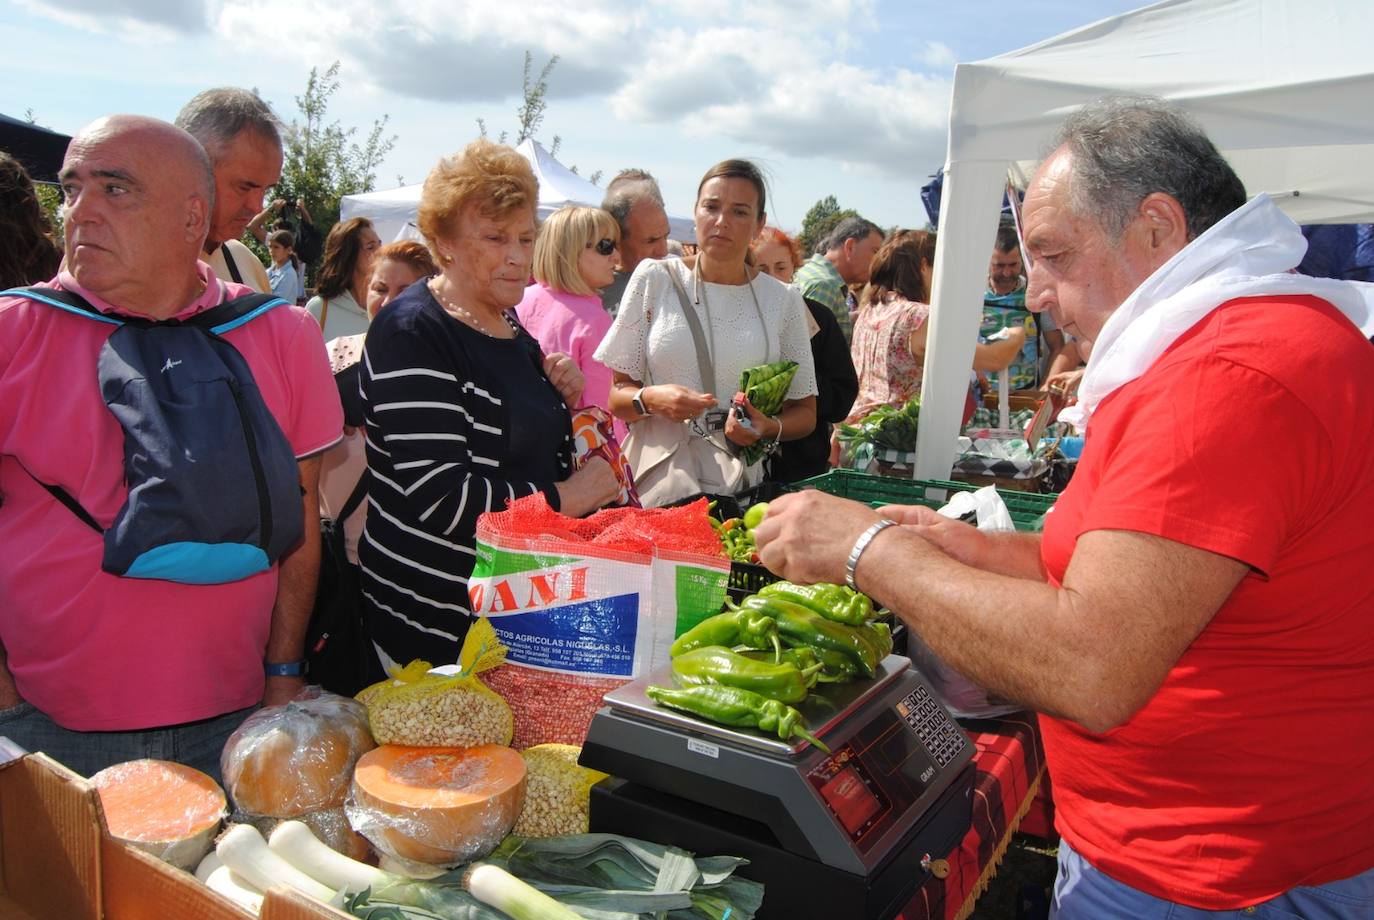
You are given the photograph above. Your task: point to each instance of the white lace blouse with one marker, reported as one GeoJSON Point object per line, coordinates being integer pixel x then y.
{"type": "Point", "coordinates": [651, 342]}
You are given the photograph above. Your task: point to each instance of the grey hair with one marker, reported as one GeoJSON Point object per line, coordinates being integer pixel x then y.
{"type": "Point", "coordinates": [627, 189]}
{"type": "Point", "coordinates": [851, 228]}
{"type": "Point", "coordinates": [1125, 148]}
{"type": "Point", "coordinates": [217, 116]}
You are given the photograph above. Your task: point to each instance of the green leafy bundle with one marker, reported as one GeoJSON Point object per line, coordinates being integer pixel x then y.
{"type": "Point", "coordinates": [886, 428]}
{"type": "Point", "coordinates": [765, 386]}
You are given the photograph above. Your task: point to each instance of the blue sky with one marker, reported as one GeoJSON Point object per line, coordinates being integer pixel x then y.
{"type": "Point", "coordinates": [846, 97]}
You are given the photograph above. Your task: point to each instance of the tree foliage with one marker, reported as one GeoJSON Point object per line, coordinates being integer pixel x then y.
{"type": "Point", "coordinates": [819, 221]}
{"type": "Point", "coordinates": [323, 161]}
{"type": "Point", "coordinates": [529, 117]}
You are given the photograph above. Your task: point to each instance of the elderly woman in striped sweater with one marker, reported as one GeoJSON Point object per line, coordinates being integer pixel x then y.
{"type": "Point", "coordinates": [463, 411]}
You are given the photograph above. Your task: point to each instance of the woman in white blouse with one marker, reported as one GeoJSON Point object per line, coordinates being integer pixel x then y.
{"type": "Point", "coordinates": [684, 432]}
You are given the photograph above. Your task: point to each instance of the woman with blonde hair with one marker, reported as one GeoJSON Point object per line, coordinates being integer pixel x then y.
{"type": "Point", "coordinates": [463, 411]}
{"type": "Point", "coordinates": [574, 258]}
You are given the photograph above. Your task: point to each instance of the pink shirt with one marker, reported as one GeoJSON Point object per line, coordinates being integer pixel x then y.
{"type": "Point", "coordinates": [574, 324]}
{"type": "Point", "coordinates": [96, 651]}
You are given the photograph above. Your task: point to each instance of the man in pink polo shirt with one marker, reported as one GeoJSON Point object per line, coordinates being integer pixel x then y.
{"type": "Point", "coordinates": [100, 668]}
{"type": "Point", "coordinates": [1194, 624]}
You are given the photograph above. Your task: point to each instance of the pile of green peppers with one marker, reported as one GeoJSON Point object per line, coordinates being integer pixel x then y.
{"type": "Point", "coordinates": [748, 666]}
{"type": "Point", "coordinates": [737, 533]}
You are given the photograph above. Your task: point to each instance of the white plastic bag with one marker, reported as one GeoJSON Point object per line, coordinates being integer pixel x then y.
{"type": "Point", "coordinates": [964, 698]}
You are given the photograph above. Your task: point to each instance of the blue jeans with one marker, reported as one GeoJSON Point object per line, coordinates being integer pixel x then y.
{"type": "Point", "coordinates": [195, 744]}
{"type": "Point", "coordinates": [1084, 893]}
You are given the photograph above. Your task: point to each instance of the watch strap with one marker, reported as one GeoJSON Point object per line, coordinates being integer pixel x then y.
{"type": "Point", "coordinates": [284, 668]}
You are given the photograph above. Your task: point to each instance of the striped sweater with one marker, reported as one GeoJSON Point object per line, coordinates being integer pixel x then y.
{"type": "Point", "coordinates": [457, 423]}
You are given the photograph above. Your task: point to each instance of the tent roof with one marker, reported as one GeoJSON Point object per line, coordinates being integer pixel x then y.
{"type": "Point", "coordinates": [558, 187]}
{"type": "Point", "coordinates": [1281, 86]}
{"type": "Point", "coordinates": [39, 149]}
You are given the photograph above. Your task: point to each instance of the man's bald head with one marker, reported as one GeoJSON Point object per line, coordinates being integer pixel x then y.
{"type": "Point", "coordinates": [177, 149]}
{"type": "Point", "coordinates": [139, 193]}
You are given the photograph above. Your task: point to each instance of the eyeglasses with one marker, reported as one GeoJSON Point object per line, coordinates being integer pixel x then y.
{"type": "Point", "coordinates": [603, 246]}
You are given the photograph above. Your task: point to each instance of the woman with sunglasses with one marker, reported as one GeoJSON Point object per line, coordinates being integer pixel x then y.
{"type": "Point", "coordinates": [574, 258]}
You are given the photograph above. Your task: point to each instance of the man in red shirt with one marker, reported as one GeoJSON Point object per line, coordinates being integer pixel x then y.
{"type": "Point", "coordinates": [1195, 620]}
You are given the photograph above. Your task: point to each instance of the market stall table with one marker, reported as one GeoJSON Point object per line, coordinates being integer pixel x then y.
{"type": "Point", "coordinates": [1010, 765]}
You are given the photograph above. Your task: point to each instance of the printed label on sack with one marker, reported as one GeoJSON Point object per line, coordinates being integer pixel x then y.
{"type": "Point", "coordinates": [595, 638]}
{"type": "Point", "coordinates": [583, 616]}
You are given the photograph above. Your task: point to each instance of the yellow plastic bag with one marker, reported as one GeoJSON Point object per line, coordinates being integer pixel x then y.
{"type": "Point", "coordinates": [415, 706]}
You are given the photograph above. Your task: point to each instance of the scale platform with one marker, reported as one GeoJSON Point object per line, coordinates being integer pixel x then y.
{"type": "Point", "coordinates": [850, 831]}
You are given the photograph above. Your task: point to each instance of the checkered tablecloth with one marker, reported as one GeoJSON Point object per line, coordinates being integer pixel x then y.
{"type": "Point", "coordinates": [1009, 766]}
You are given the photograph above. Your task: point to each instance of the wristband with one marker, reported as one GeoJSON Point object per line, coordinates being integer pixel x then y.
{"type": "Point", "coordinates": [284, 668]}
{"type": "Point", "coordinates": [852, 564]}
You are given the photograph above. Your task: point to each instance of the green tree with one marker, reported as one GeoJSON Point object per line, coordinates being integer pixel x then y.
{"type": "Point", "coordinates": [819, 221]}
{"type": "Point", "coordinates": [323, 161]}
{"type": "Point", "coordinates": [530, 116]}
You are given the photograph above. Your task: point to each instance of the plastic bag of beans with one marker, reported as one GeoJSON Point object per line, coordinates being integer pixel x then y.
{"type": "Point", "coordinates": [584, 606]}
{"type": "Point", "coordinates": [419, 706]}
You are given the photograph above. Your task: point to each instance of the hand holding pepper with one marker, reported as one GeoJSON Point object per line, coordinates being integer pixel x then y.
{"type": "Point", "coordinates": [807, 535]}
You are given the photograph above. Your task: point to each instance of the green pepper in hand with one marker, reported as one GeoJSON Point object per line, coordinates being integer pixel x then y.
{"type": "Point", "coordinates": [734, 627]}
{"type": "Point", "coordinates": [834, 602]}
{"type": "Point", "coordinates": [736, 708]}
{"type": "Point", "coordinates": [716, 664]}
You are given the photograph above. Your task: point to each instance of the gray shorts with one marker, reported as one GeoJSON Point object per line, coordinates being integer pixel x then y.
{"type": "Point", "coordinates": [195, 744]}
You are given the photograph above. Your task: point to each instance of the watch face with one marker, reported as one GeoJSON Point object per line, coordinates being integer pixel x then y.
{"type": "Point", "coordinates": [639, 405]}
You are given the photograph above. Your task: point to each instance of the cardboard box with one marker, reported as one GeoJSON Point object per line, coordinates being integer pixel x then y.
{"type": "Point", "coordinates": [57, 860]}
{"type": "Point", "coordinates": [49, 842]}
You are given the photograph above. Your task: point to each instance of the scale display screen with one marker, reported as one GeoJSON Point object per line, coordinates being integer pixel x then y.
{"type": "Point", "coordinates": [881, 772]}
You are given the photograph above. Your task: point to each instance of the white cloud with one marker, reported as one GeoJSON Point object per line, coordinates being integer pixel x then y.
{"type": "Point", "coordinates": [131, 20]}
{"type": "Point", "coordinates": [937, 56]}
{"type": "Point", "coordinates": [773, 74]}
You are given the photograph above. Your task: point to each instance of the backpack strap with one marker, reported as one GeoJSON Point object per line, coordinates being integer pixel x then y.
{"type": "Point", "coordinates": [63, 300]}
{"type": "Point", "coordinates": [234, 312]}
{"type": "Point", "coordinates": [218, 319]}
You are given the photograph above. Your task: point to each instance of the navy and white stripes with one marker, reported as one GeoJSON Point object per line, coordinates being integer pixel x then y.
{"type": "Point", "coordinates": [457, 424]}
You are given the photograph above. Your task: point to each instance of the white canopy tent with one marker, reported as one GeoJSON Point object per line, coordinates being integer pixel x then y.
{"type": "Point", "coordinates": [391, 210]}
{"type": "Point", "coordinates": [1283, 87]}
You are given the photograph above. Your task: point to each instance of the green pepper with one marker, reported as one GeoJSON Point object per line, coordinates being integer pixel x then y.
{"type": "Point", "coordinates": [734, 627]}
{"type": "Point", "coordinates": [736, 708]}
{"type": "Point", "coordinates": [799, 626]}
{"type": "Point", "coordinates": [882, 637]}
{"type": "Point", "coordinates": [834, 602]}
{"type": "Point", "coordinates": [834, 667]}
{"type": "Point", "coordinates": [716, 664]}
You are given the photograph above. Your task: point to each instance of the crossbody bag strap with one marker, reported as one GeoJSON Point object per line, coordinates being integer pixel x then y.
{"type": "Point", "coordinates": [324, 313]}
{"type": "Point", "coordinates": [230, 264]}
{"type": "Point", "coordinates": [354, 500]}
{"type": "Point", "coordinates": [708, 373]}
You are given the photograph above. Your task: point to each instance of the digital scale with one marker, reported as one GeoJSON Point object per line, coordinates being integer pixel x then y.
{"type": "Point", "coordinates": [851, 833]}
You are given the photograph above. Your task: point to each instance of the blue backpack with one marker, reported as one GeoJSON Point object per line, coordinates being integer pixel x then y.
{"type": "Point", "coordinates": [213, 484]}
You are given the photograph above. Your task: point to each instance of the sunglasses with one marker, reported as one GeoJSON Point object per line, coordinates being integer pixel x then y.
{"type": "Point", "coordinates": [603, 246]}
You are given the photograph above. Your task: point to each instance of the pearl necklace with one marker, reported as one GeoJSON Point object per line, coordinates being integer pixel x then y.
{"type": "Point", "coordinates": [467, 316]}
